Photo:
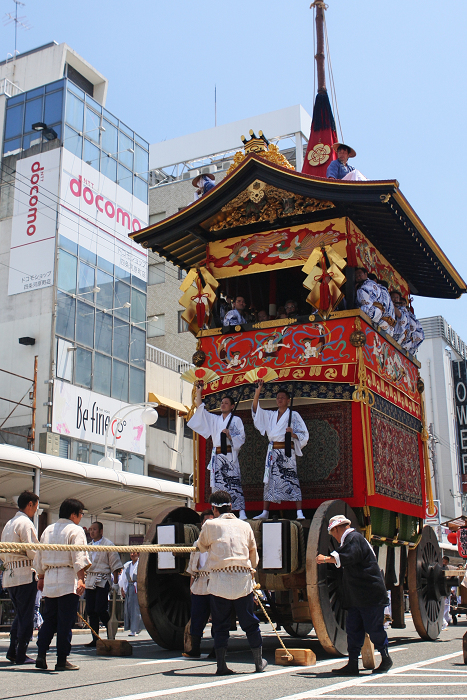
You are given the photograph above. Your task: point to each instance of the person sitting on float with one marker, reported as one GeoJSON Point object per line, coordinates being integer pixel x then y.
{"type": "Point", "coordinates": [339, 168]}
{"type": "Point", "coordinates": [370, 300]}
{"type": "Point", "coordinates": [236, 316]}
{"type": "Point", "coordinates": [203, 183]}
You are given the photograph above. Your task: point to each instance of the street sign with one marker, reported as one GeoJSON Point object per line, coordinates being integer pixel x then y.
{"type": "Point", "coordinates": [462, 542]}
{"type": "Point", "coordinates": [433, 518]}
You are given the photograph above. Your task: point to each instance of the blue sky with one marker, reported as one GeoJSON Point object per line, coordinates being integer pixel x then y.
{"type": "Point", "coordinates": [399, 69]}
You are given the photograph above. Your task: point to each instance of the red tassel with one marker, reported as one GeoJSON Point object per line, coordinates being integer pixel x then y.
{"type": "Point", "coordinates": [324, 296]}
{"type": "Point", "coordinates": [200, 313]}
{"type": "Point", "coordinates": [350, 248]}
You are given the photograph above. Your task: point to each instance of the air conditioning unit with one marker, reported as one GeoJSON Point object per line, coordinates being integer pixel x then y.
{"type": "Point", "coordinates": [227, 164]}
{"type": "Point", "coordinates": [187, 176]}
{"type": "Point", "coordinates": [208, 169]}
{"type": "Point", "coordinates": [193, 173]}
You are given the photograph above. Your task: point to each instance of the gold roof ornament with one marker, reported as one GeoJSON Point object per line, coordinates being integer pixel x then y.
{"type": "Point", "coordinates": [261, 147]}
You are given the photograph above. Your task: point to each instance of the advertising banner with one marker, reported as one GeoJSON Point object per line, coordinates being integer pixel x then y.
{"type": "Point", "coordinates": [85, 415]}
{"type": "Point", "coordinates": [98, 214]}
{"type": "Point", "coordinates": [32, 248]}
{"type": "Point", "coordinates": [459, 371]}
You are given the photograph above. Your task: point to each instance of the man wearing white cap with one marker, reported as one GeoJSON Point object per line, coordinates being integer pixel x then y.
{"type": "Point", "coordinates": [364, 593]}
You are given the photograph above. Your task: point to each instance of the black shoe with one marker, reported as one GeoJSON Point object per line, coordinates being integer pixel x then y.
{"type": "Point", "coordinates": [92, 644]}
{"type": "Point", "coordinates": [222, 669]}
{"type": "Point", "coordinates": [260, 663]}
{"type": "Point", "coordinates": [11, 657]}
{"type": "Point", "coordinates": [386, 662]}
{"type": "Point", "coordinates": [350, 669]}
{"type": "Point", "coordinates": [41, 663]}
{"type": "Point", "coordinates": [195, 651]}
{"type": "Point", "coordinates": [212, 654]}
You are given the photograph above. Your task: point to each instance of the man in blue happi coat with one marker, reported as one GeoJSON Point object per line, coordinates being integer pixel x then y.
{"type": "Point", "coordinates": [339, 168]}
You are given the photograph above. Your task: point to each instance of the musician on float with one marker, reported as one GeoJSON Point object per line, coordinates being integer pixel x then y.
{"type": "Point", "coordinates": [224, 467]}
{"type": "Point", "coordinates": [280, 474]}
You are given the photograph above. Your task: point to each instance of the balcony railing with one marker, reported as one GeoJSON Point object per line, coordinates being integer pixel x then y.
{"type": "Point", "coordinates": [9, 89]}
{"type": "Point", "coordinates": [165, 359]}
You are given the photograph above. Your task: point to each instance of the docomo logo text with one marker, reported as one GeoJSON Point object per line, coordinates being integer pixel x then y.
{"type": "Point", "coordinates": [103, 205]}
{"type": "Point", "coordinates": [33, 198]}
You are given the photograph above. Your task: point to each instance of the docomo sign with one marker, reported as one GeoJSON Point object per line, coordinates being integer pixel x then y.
{"type": "Point", "coordinates": [33, 198]}
{"type": "Point", "coordinates": [103, 205]}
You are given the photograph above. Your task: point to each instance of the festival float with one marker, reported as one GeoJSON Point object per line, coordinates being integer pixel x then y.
{"type": "Point", "coordinates": [271, 233]}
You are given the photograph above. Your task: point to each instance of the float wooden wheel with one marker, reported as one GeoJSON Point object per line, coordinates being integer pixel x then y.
{"type": "Point", "coordinates": [427, 586]}
{"type": "Point", "coordinates": [300, 630]}
{"type": "Point", "coordinates": [164, 599]}
{"type": "Point", "coordinates": [324, 594]}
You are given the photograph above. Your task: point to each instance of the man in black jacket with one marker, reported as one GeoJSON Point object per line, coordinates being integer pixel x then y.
{"type": "Point", "coordinates": [364, 593]}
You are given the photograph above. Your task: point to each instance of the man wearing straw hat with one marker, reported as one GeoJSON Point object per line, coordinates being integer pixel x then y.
{"type": "Point", "coordinates": [232, 556]}
{"type": "Point", "coordinates": [364, 593]}
{"type": "Point", "coordinates": [339, 168]}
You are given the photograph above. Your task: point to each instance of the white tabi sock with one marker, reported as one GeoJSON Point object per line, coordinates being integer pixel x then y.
{"type": "Point", "coordinates": [300, 515]}
{"type": "Point", "coordinates": [242, 515]}
{"type": "Point", "coordinates": [262, 516]}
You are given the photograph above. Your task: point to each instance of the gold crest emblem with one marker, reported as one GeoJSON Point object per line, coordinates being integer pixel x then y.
{"type": "Point", "coordinates": [319, 154]}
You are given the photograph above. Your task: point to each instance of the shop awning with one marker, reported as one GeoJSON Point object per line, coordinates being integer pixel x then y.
{"type": "Point", "coordinates": [170, 403]}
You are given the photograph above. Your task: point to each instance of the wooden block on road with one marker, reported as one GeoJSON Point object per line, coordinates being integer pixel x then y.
{"type": "Point", "coordinates": [113, 647]}
{"type": "Point", "coordinates": [301, 657]}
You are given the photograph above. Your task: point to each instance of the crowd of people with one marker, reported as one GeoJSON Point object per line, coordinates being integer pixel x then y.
{"type": "Point", "coordinates": [233, 311]}
{"type": "Point", "coordinates": [62, 578]}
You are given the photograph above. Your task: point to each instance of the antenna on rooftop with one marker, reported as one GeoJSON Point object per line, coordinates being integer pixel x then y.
{"type": "Point", "coordinates": [21, 21]}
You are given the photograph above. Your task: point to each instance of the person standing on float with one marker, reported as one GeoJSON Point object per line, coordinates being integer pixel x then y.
{"type": "Point", "coordinates": [280, 473]}
{"type": "Point", "coordinates": [224, 468]}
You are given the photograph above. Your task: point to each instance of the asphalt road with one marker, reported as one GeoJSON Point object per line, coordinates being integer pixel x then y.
{"type": "Point", "coordinates": [421, 670]}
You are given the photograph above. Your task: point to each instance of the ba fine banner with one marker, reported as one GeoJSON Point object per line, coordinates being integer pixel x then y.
{"type": "Point", "coordinates": [85, 415]}
{"type": "Point", "coordinates": [33, 228]}
{"type": "Point", "coordinates": [459, 371]}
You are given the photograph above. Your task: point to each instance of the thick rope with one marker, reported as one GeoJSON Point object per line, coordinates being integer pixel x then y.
{"type": "Point", "coordinates": [41, 547]}
{"type": "Point", "coordinates": [288, 655]}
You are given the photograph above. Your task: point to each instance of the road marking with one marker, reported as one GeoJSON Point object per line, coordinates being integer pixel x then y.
{"type": "Point", "coordinates": [398, 685]}
{"type": "Point", "coordinates": [359, 681]}
{"type": "Point", "coordinates": [228, 681]}
{"type": "Point", "coordinates": [391, 697]}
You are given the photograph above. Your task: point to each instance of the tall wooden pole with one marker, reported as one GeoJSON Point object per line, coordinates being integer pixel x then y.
{"type": "Point", "coordinates": [320, 8]}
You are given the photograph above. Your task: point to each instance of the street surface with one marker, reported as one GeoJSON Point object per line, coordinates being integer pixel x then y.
{"type": "Point", "coordinates": [421, 670]}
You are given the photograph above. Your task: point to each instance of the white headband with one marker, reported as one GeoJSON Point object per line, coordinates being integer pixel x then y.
{"type": "Point", "coordinates": [220, 505]}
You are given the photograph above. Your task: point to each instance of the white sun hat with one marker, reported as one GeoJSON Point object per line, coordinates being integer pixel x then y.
{"type": "Point", "coordinates": [338, 520]}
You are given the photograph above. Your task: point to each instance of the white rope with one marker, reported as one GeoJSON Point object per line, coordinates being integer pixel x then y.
{"type": "Point", "coordinates": [41, 547]}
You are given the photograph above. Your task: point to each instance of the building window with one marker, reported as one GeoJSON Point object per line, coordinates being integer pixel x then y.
{"type": "Point", "coordinates": [64, 448]}
{"type": "Point", "coordinates": [83, 367]}
{"type": "Point", "coordinates": [156, 273]}
{"type": "Point", "coordinates": [167, 419]}
{"type": "Point", "coordinates": [158, 216]}
{"type": "Point", "coordinates": [181, 273]}
{"type": "Point", "coordinates": [187, 432]}
{"type": "Point", "coordinates": [64, 360]}
{"type": "Point", "coordinates": [120, 381]}
{"type": "Point", "coordinates": [182, 324]}
{"type": "Point", "coordinates": [156, 326]}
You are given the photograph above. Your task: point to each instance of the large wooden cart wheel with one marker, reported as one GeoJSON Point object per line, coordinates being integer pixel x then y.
{"type": "Point", "coordinates": [164, 599]}
{"type": "Point", "coordinates": [427, 586]}
{"type": "Point", "coordinates": [323, 580]}
{"type": "Point", "coordinates": [300, 630]}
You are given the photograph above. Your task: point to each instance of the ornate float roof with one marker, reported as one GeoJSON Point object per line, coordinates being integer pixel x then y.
{"type": "Point", "coordinates": [378, 208]}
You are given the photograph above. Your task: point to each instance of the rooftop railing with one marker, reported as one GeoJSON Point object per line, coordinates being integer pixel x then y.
{"type": "Point", "coordinates": [165, 359]}
{"type": "Point", "coordinates": [9, 89]}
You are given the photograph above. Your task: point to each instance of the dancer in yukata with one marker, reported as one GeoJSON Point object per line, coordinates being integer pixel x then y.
{"type": "Point", "coordinates": [224, 468]}
{"type": "Point", "coordinates": [128, 582]}
{"type": "Point", "coordinates": [280, 474]}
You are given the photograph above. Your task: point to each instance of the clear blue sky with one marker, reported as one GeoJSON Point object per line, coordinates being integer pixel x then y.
{"type": "Point", "coordinates": [399, 69]}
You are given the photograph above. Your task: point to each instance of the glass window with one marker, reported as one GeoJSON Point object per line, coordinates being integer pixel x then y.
{"type": "Point", "coordinates": [122, 273]}
{"type": "Point", "coordinates": [125, 150]}
{"type": "Point", "coordinates": [105, 265]}
{"type": "Point", "coordinates": [181, 273]}
{"type": "Point", "coordinates": [74, 112]}
{"type": "Point", "coordinates": [182, 324]}
{"type": "Point", "coordinates": [142, 142]}
{"type": "Point", "coordinates": [88, 255]}
{"type": "Point", "coordinates": [104, 332]}
{"type": "Point", "coordinates": [109, 167]}
{"type": "Point", "coordinates": [85, 324]}
{"type": "Point", "coordinates": [138, 282]}
{"type": "Point", "coordinates": [14, 121]}
{"type": "Point", "coordinates": [65, 323]}
{"type": "Point", "coordinates": [53, 107]}
{"type": "Point", "coordinates": [54, 86]}
{"type": "Point", "coordinates": [141, 162]}
{"type": "Point", "coordinates": [91, 154]}
{"type": "Point", "coordinates": [83, 367]}
{"type": "Point", "coordinates": [156, 326]}
{"type": "Point", "coordinates": [156, 273]}
{"type": "Point", "coordinates": [125, 178]}
{"type": "Point", "coordinates": [66, 244]}
{"type": "Point", "coordinates": [16, 99]}
{"type": "Point", "coordinates": [135, 464]}
{"type": "Point", "coordinates": [121, 340]}
{"type": "Point", "coordinates": [187, 432]}
{"type": "Point", "coordinates": [73, 142]}
{"type": "Point", "coordinates": [110, 117]}
{"type": "Point", "coordinates": [64, 360]}
{"type": "Point", "coordinates": [105, 282]}
{"type": "Point", "coordinates": [86, 280]}
{"type": "Point", "coordinates": [81, 452]}
{"type": "Point", "coordinates": [74, 88]}
{"type": "Point", "coordinates": [119, 381]}
{"type": "Point", "coordinates": [138, 347]}
{"type": "Point", "coordinates": [64, 448]}
{"type": "Point", "coordinates": [34, 139]}
{"type": "Point", "coordinates": [138, 307]}
{"type": "Point", "coordinates": [95, 105]}
{"type": "Point", "coordinates": [67, 265]}
{"type": "Point", "coordinates": [33, 113]}
{"type": "Point", "coordinates": [102, 368]}
{"type": "Point", "coordinates": [141, 189]}
{"type": "Point", "coordinates": [109, 141]}
{"type": "Point", "coordinates": [136, 385]}
{"type": "Point", "coordinates": [97, 452]}
{"type": "Point", "coordinates": [35, 93]}
{"type": "Point", "coordinates": [126, 130]}
{"type": "Point", "coordinates": [93, 122]}
{"type": "Point", "coordinates": [122, 296]}
{"type": "Point", "coordinates": [11, 146]}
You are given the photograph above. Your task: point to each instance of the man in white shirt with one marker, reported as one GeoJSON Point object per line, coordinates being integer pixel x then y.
{"type": "Point", "coordinates": [200, 599]}
{"type": "Point", "coordinates": [19, 579]}
{"type": "Point", "coordinates": [232, 558]}
{"type": "Point", "coordinates": [128, 582]}
{"type": "Point", "coordinates": [98, 580]}
{"type": "Point", "coordinates": [61, 580]}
